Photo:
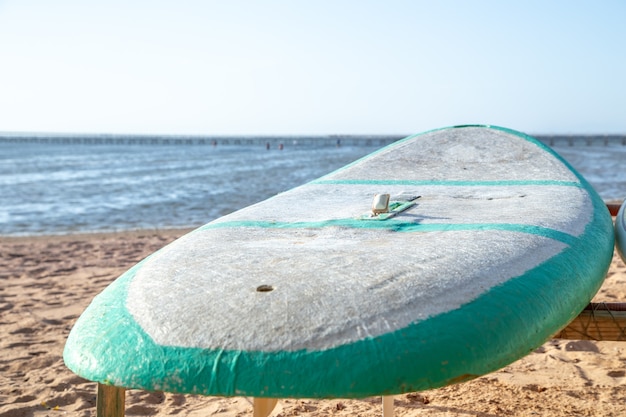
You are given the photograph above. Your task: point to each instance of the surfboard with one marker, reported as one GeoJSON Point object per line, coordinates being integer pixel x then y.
{"type": "Point", "coordinates": [439, 258]}
{"type": "Point", "coordinates": [620, 231]}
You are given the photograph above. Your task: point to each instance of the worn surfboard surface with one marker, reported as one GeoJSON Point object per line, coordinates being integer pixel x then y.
{"type": "Point", "coordinates": [308, 295]}
{"type": "Point", "coordinates": [620, 231]}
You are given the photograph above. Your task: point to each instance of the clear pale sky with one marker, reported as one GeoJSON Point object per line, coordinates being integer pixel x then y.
{"type": "Point", "coordinates": [311, 67]}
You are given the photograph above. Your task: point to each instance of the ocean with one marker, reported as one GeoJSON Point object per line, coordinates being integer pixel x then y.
{"type": "Point", "coordinates": [60, 187]}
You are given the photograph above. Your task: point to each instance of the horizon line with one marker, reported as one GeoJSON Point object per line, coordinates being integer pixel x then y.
{"type": "Point", "coordinates": [18, 134]}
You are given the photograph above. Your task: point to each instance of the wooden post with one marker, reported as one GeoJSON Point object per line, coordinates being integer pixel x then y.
{"type": "Point", "coordinates": [263, 406]}
{"type": "Point", "coordinates": [110, 401]}
{"type": "Point", "coordinates": [388, 410]}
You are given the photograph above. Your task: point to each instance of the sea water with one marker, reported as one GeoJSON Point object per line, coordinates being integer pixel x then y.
{"type": "Point", "coordinates": [58, 188]}
{"type": "Point", "coordinates": [69, 188]}
{"type": "Point", "coordinates": [603, 165]}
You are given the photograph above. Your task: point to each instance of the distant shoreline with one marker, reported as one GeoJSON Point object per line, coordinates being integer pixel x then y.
{"type": "Point", "coordinates": [243, 140]}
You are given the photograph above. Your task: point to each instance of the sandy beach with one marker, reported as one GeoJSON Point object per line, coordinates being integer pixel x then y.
{"type": "Point", "coordinates": [48, 281]}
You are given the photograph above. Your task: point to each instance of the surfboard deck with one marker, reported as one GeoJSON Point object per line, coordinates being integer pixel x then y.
{"type": "Point", "coordinates": [498, 245]}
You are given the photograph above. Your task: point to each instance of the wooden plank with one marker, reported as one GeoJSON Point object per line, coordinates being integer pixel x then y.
{"type": "Point", "coordinates": [388, 408]}
{"type": "Point", "coordinates": [263, 406]}
{"type": "Point", "coordinates": [613, 208]}
{"type": "Point", "coordinates": [598, 321]}
{"type": "Point", "coordinates": [110, 401]}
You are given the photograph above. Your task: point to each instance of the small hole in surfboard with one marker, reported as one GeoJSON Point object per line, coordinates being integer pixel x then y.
{"type": "Point", "coordinates": [264, 288]}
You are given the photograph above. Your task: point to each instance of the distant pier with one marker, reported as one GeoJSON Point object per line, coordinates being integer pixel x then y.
{"type": "Point", "coordinates": [582, 140]}
{"type": "Point", "coordinates": [273, 142]}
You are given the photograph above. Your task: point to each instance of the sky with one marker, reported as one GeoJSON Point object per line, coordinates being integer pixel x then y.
{"type": "Point", "coordinates": [311, 67]}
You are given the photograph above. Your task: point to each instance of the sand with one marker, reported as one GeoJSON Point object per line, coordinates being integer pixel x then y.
{"type": "Point", "coordinates": [46, 282]}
